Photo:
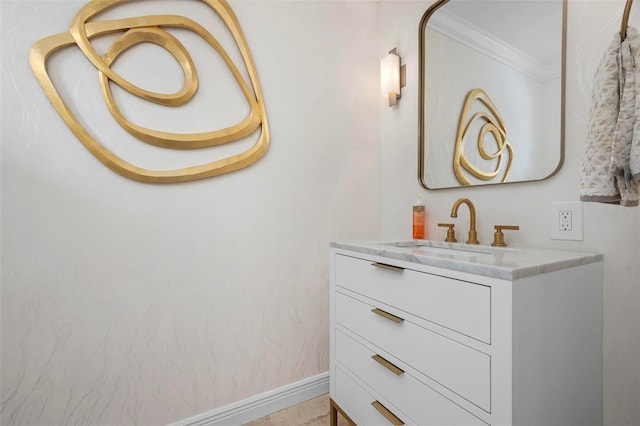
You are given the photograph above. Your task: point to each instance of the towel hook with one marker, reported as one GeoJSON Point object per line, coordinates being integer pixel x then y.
{"type": "Point", "coordinates": [625, 19]}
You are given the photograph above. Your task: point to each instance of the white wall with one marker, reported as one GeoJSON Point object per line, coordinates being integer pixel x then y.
{"type": "Point", "coordinates": [612, 230]}
{"type": "Point", "coordinates": [130, 303]}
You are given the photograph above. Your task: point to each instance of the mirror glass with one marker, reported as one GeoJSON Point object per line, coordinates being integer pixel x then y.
{"type": "Point", "coordinates": [491, 92]}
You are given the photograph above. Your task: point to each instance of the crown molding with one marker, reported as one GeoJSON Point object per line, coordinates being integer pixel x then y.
{"type": "Point", "coordinates": [481, 41]}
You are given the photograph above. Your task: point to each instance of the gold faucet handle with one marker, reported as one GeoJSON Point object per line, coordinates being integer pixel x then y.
{"type": "Point", "coordinates": [498, 237]}
{"type": "Point", "coordinates": [451, 233]}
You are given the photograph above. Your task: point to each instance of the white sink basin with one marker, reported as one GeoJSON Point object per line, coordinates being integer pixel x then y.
{"type": "Point", "coordinates": [436, 248]}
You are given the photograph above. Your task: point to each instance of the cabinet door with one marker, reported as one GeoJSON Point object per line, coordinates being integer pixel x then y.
{"type": "Point", "coordinates": [459, 305]}
{"type": "Point", "coordinates": [411, 396]}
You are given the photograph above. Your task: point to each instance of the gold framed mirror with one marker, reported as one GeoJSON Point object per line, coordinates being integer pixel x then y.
{"type": "Point", "coordinates": [491, 92]}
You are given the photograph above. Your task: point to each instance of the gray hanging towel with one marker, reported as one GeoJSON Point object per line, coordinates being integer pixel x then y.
{"type": "Point", "coordinates": [611, 163]}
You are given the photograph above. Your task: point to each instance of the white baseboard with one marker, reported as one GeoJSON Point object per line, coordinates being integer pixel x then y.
{"type": "Point", "coordinates": [262, 405]}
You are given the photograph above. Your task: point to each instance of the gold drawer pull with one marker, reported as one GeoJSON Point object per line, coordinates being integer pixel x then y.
{"type": "Point", "coordinates": [388, 414]}
{"type": "Point", "coordinates": [388, 365]}
{"type": "Point", "coordinates": [389, 267]}
{"type": "Point", "coordinates": [387, 315]}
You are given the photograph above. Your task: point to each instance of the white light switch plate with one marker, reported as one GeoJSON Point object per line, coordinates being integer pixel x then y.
{"type": "Point", "coordinates": [566, 221]}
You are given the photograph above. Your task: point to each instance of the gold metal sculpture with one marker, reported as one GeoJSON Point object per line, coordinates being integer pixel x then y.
{"type": "Point", "coordinates": [492, 123]}
{"type": "Point", "coordinates": [151, 29]}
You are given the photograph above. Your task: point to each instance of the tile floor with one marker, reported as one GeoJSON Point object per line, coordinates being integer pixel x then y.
{"type": "Point", "coordinates": [314, 412]}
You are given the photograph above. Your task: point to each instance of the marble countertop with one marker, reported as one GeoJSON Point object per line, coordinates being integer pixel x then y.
{"type": "Point", "coordinates": [506, 263]}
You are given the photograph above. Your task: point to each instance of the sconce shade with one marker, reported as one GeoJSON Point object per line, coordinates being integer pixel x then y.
{"type": "Point", "coordinates": [391, 79]}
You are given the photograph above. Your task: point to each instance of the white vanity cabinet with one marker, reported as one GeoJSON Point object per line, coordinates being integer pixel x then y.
{"type": "Point", "coordinates": [428, 342]}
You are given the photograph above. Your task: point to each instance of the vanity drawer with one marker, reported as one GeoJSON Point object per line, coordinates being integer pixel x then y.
{"type": "Point", "coordinates": [455, 304]}
{"type": "Point", "coordinates": [411, 396]}
{"type": "Point", "coordinates": [352, 395]}
{"type": "Point", "coordinates": [459, 368]}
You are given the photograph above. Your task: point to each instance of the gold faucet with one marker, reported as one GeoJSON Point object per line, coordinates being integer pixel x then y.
{"type": "Point", "coordinates": [473, 235]}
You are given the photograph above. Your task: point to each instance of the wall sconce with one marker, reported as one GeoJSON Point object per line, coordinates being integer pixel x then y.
{"type": "Point", "coordinates": [392, 77]}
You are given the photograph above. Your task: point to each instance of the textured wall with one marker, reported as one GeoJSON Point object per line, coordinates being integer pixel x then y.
{"type": "Point", "coordinates": [611, 230]}
{"type": "Point", "coordinates": [130, 303]}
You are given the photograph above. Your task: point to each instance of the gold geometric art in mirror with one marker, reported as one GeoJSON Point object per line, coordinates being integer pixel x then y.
{"type": "Point", "coordinates": [516, 52]}
{"type": "Point", "coordinates": [480, 117]}
{"type": "Point", "coordinates": [132, 31]}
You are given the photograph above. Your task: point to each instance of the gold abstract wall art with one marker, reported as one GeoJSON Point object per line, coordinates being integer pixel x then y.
{"type": "Point", "coordinates": [484, 122]}
{"type": "Point", "coordinates": [130, 32]}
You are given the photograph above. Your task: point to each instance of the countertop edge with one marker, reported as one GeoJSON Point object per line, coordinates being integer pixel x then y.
{"type": "Point", "coordinates": [516, 261]}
